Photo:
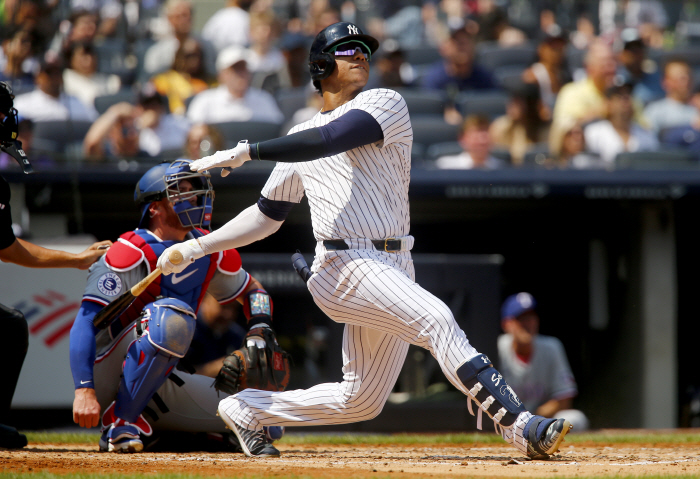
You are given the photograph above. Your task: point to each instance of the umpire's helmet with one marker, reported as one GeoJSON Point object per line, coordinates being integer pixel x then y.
{"type": "Point", "coordinates": [321, 62]}
{"type": "Point", "coordinates": [163, 181]}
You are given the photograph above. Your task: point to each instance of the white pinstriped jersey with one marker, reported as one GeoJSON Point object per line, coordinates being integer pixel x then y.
{"type": "Point", "coordinates": [360, 193]}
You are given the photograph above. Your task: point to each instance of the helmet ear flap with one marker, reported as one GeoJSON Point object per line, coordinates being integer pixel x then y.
{"type": "Point", "coordinates": [321, 66]}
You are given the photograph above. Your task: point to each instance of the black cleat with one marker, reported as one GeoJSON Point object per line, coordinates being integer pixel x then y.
{"type": "Point", "coordinates": [253, 443]}
{"type": "Point", "coordinates": [11, 439]}
{"type": "Point", "coordinates": [549, 442]}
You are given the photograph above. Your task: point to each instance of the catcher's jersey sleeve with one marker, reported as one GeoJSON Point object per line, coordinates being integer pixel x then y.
{"type": "Point", "coordinates": [105, 284]}
{"type": "Point", "coordinates": [226, 287]}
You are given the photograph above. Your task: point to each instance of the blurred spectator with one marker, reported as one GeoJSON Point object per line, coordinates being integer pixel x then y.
{"type": "Point", "coordinates": [457, 71]}
{"type": "Point", "coordinates": [229, 26]}
{"type": "Point", "coordinates": [637, 69]}
{"type": "Point", "coordinates": [186, 77]}
{"type": "Point", "coordinates": [685, 137]}
{"type": "Point", "coordinates": [80, 27]}
{"type": "Point", "coordinates": [265, 58]}
{"type": "Point", "coordinates": [567, 148]}
{"type": "Point", "coordinates": [295, 48]}
{"type": "Point", "coordinates": [48, 102]}
{"type": "Point", "coordinates": [203, 140]}
{"type": "Point", "coordinates": [618, 132]}
{"type": "Point", "coordinates": [314, 104]}
{"type": "Point", "coordinates": [535, 365]}
{"type": "Point", "coordinates": [674, 110]}
{"type": "Point", "coordinates": [584, 35]}
{"type": "Point", "coordinates": [161, 55]}
{"type": "Point", "coordinates": [233, 99]}
{"type": "Point", "coordinates": [494, 26]}
{"type": "Point", "coordinates": [550, 73]}
{"type": "Point", "coordinates": [17, 48]}
{"type": "Point", "coordinates": [81, 79]}
{"type": "Point", "coordinates": [522, 125]}
{"type": "Point", "coordinates": [128, 130]}
{"type": "Point", "coordinates": [585, 99]}
{"type": "Point", "coordinates": [390, 68]}
{"type": "Point", "coordinates": [648, 16]}
{"type": "Point", "coordinates": [476, 142]}
{"type": "Point", "coordinates": [108, 13]}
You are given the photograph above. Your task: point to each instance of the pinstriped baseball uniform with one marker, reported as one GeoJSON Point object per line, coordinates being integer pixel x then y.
{"type": "Point", "coordinates": [357, 196]}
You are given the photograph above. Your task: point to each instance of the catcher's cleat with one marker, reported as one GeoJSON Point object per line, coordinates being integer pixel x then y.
{"type": "Point", "coordinates": [11, 439]}
{"type": "Point", "coordinates": [550, 440]}
{"type": "Point", "coordinates": [253, 443]}
{"type": "Point", "coordinates": [124, 439]}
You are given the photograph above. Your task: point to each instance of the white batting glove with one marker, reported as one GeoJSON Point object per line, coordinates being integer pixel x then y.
{"type": "Point", "coordinates": [191, 251]}
{"type": "Point", "coordinates": [232, 158]}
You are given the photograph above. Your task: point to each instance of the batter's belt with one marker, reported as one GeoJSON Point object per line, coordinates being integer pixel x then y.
{"type": "Point", "coordinates": [389, 245]}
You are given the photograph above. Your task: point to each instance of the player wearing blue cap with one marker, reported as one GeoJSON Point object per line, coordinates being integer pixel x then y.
{"type": "Point", "coordinates": [128, 368]}
{"type": "Point", "coordinates": [535, 365]}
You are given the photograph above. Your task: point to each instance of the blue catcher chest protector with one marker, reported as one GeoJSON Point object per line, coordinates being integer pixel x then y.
{"type": "Point", "coordinates": [168, 330]}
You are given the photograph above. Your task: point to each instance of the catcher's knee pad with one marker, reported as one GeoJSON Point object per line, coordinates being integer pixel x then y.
{"type": "Point", "coordinates": [490, 392]}
{"type": "Point", "coordinates": [171, 325]}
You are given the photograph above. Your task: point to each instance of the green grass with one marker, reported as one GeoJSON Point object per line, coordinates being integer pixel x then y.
{"type": "Point", "coordinates": [623, 437]}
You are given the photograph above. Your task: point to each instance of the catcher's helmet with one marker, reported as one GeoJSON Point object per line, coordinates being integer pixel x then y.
{"type": "Point", "coordinates": [321, 62]}
{"type": "Point", "coordinates": [163, 181]}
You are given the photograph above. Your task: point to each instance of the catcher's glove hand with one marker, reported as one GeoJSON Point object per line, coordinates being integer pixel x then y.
{"type": "Point", "coordinates": [260, 364]}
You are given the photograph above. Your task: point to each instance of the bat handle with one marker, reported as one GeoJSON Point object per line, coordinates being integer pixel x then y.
{"type": "Point", "coordinates": [175, 257]}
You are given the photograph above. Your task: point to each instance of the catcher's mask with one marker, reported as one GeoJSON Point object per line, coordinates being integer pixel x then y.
{"type": "Point", "coordinates": [323, 49]}
{"type": "Point", "coordinates": [9, 128]}
{"type": "Point", "coordinates": [192, 206]}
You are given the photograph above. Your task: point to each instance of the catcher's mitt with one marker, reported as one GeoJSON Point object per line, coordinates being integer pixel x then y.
{"type": "Point", "coordinates": [260, 364]}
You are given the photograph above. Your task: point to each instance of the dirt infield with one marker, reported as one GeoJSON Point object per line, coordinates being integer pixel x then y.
{"type": "Point", "coordinates": [368, 461]}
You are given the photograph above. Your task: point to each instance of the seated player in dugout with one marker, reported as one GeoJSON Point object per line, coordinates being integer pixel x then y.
{"type": "Point", "coordinates": [125, 372]}
{"type": "Point", "coordinates": [353, 162]}
{"type": "Point", "coordinates": [535, 365]}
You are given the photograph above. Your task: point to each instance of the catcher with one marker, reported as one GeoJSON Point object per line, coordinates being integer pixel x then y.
{"type": "Point", "coordinates": [127, 370]}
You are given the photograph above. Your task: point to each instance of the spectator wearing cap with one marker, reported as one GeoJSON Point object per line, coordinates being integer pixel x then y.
{"type": "Point", "coordinates": [234, 99]}
{"type": "Point", "coordinates": [522, 126]}
{"type": "Point", "coordinates": [81, 78]}
{"type": "Point", "coordinates": [48, 102]}
{"type": "Point", "coordinates": [458, 71]}
{"type": "Point", "coordinates": [161, 55]}
{"type": "Point", "coordinates": [550, 73]}
{"type": "Point", "coordinates": [229, 26]}
{"type": "Point", "coordinates": [186, 78]}
{"type": "Point", "coordinates": [535, 365]}
{"type": "Point", "coordinates": [638, 69]}
{"type": "Point", "coordinates": [126, 130]}
{"type": "Point", "coordinates": [618, 132]}
{"type": "Point", "coordinates": [476, 142]}
{"type": "Point", "coordinates": [390, 68]}
{"type": "Point", "coordinates": [584, 100]}
{"type": "Point", "coordinates": [675, 109]}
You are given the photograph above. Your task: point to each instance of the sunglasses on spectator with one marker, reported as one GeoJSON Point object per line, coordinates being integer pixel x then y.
{"type": "Point", "coordinates": [349, 49]}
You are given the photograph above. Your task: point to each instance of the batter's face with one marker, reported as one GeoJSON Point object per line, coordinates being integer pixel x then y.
{"type": "Point", "coordinates": [351, 72]}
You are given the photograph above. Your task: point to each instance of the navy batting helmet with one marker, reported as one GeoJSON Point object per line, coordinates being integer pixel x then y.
{"type": "Point", "coordinates": [163, 181]}
{"type": "Point", "coordinates": [321, 58]}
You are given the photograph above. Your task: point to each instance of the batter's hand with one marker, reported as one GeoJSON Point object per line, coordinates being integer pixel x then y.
{"type": "Point", "coordinates": [191, 251]}
{"type": "Point", "coordinates": [86, 409]}
{"type": "Point", "coordinates": [92, 254]}
{"type": "Point", "coordinates": [232, 158]}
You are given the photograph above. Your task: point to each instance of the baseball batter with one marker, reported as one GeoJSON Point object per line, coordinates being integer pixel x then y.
{"type": "Point", "coordinates": [127, 369]}
{"type": "Point", "coordinates": [353, 161]}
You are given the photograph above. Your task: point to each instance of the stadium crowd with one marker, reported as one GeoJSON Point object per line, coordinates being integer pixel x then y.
{"type": "Point", "coordinates": [489, 83]}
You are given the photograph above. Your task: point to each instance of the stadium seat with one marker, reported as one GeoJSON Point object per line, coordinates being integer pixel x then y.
{"type": "Point", "coordinates": [56, 136]}
{"type": "Point", "coordinates": [656, 160]}
{"type": "Point", "coordinates": [289, 100]}
{"type": "Point", "coordinates": [536, 155]}
{"type": "Point", "coordinates": [689, 54]}
{"type": "Point", "coordinates": [102, 103]}
{"type": "Point", "coordinates": [428, 130]}
{"type": "Point", "coordinates": [490, 55]}
{"type": "Point", "coordinates": [422, 55]}
{"type": "Point", "coordinates": [448, 148]}
{"type": "Point", "coordinates": [490, 103]}
{"type": "Point", "coordinates": [423, 102]}
{"type": "Point", "coordinates": [111, 53]}
{"type": "Point", "coordinates": [509, 75]}
{"type": "Point", "coordinates": [253, 131]}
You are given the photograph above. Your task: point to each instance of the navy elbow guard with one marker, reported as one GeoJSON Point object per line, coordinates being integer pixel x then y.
{"type": "Point", "coordinates": [490, 391]}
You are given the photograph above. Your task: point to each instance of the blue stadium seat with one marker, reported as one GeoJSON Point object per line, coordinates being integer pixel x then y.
{"type": "Point", "coordinates": [56, 136]}
{"type": "Point", "coordinates": [656, 160]}
{"type": "Point", "coordinates": [289, 100]}
{"type": "Point", "coordinates": [424, 55]}
{"type": "Point", "coordinates": [424, 102]}
{"type": "Point", "coordinates": [102, 103]}
{"type": "Point", "coordinates": [490, 103]}
{"type": "Point", "coordinates": [491, 55]}
{"type": "Point", "coordinates": [428, 130]}
{"type": "Point", "coordinates": [448, 148]}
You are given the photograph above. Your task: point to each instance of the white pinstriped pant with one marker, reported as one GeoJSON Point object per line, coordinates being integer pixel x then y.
{"type": "Point", "coordinates": [384, 310]}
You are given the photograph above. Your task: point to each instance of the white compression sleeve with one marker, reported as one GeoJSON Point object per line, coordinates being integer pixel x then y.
{"type": "Point", "coordinates": [248, 227]}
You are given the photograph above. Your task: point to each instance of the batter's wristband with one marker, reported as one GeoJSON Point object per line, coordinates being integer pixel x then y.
{"type": "Point", "coordinates": [257, 307]}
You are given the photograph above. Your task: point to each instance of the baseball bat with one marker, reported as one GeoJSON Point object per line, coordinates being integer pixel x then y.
{"type": "Point", "coordinates": [105, 317]}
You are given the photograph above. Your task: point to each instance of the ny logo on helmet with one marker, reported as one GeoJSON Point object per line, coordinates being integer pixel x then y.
{"type": "Point", "coordinates": [353, 30]}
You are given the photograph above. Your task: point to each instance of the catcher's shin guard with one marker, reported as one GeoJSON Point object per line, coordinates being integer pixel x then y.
{"type": "Point", "coordinates": [152, 357]}
{"type": "Point", "coordinates": [490, 392]}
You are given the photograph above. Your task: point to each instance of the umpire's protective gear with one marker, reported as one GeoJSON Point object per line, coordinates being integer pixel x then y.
{"type": "Point", "coordinates": [322, 63]}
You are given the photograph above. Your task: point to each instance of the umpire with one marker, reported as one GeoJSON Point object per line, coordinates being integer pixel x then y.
{"type": "Point", "coordinates": [14, 340]}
